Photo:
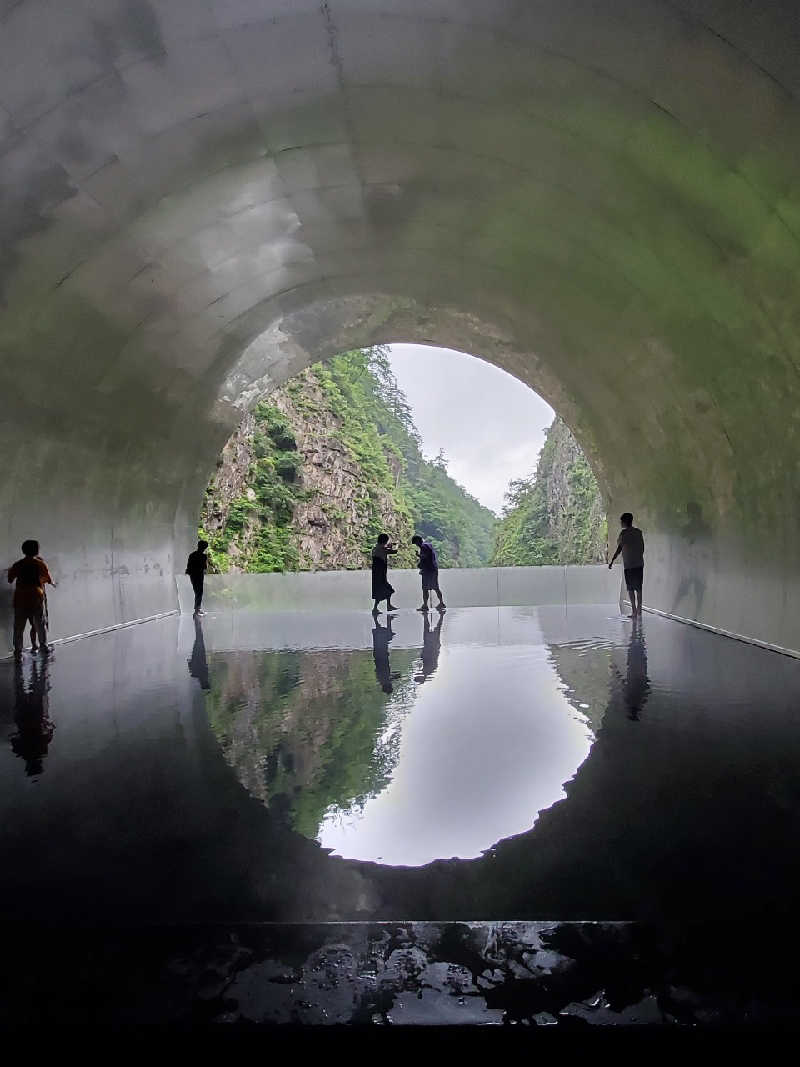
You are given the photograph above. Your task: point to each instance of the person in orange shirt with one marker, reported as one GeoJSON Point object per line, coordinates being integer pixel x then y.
{"type": "Point", "coordinates": [31, 575]}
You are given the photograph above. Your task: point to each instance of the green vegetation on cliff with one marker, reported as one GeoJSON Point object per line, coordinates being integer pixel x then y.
{"type": "Point", "coordinates": [307, 732]}
{"type": "Point", "coordinates": [268, 505]}
{"type": "Point", "coordinates": [557, 516]}
{"type": "Point", "coordinates": [326, 463]}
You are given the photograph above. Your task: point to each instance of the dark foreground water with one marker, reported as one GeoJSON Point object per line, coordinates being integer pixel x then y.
{"type": "Point", "coordinates": [516, 763]}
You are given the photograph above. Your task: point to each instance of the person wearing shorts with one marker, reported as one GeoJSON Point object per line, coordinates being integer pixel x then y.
{"type": "Point", "coordinates": [31, 575]}
{"type": "Point", "coordinates": [631, 544]}
{"type": "Point", "coordinates": [429, 572]}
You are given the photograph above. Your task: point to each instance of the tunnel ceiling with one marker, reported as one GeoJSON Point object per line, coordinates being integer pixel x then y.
{"type": "Point", "coordinates": [199, 196]}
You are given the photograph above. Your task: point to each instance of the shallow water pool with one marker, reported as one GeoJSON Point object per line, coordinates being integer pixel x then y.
{"type": "Point", "coordinates": [406, 755]}
{"type": "Point", "coordinates": [515, 762]}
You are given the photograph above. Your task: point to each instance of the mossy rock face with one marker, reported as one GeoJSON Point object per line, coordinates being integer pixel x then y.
{"type": "Point", "coordinates": [283, 439]}
{"type": "Point", "coordinates": [557, 516]}
{"type": "Point", "coordinates": [325, 464]}
{"type": "Point", "coordinates": [288, 467]}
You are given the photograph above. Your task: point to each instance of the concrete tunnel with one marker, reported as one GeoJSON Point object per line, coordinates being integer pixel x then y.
{"type": "Point", "coordinates": [199, 198]}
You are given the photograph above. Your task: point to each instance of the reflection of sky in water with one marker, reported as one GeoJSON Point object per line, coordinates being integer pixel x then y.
{"type": "Point", "coordinates": [413, 740]}
{"type": "Point", "coordinates": [489, 742]}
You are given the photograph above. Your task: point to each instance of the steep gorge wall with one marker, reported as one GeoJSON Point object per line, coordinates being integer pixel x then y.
{"type": "Point", "coordinates": [325, 514]}
{"type": "Point", "coordinates": [323, 464]}
{"type": "Point", "coordinates": [575, 509]}
{"type": "Point", "coordinates": [558, 515]}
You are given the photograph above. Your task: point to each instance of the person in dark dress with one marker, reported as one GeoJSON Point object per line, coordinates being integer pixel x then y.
{"type": "Point", "coordinates": [381, 590]}
{"type": "Point", "coordinates": [196, 566]}
{"type": "Point", "coordinates": [381, 636]}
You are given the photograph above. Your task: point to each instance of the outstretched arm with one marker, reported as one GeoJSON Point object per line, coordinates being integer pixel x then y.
{"type": "Point", "coordinates": [619, 549]}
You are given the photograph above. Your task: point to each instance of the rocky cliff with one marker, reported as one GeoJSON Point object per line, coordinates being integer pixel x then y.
{"type": "Point", "coordinates": [323, 465]}
{"type": "Point", "coordinates": [557, 516]}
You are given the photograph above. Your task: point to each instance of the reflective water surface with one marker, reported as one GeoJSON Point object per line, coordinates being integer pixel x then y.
{"type": "Point", "coordinates": [525, 762]}
{"type": "Point", "coordinates": [409, 755]}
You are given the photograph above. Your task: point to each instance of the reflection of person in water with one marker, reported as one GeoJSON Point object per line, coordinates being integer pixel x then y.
{"type": "Point", "coordinates": [31, 715]}
{"type": "Point", "coordinates": [198, 664]}
{"type": "Point", "coordinates": [431, 647]}
{"type": "Point", "coordinates": [695, 533]}
{"type": "Point", "coordinates": [637, 685]}
{"type": "Point", "coordinates": [381, 636]}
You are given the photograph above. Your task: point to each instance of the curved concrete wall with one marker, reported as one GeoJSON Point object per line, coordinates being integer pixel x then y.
{"type": "Point", "coordinates": [199, 196]}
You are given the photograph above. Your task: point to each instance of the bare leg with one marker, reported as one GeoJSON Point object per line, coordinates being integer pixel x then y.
{"type": "Point", "coordinates": [441, 598]}
{"type": "Point", "coordinates": [20, 622]}
{"type": "Point", "coordinates": [375, 607]}
{"type": "Point", "coordinates": [41, 629]}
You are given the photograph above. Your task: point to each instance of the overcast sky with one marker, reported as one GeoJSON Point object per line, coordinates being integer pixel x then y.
{"type": "Point", "coordinates": [490, 425]}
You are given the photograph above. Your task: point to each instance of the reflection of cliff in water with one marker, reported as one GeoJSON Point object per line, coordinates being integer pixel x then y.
{"type": "Point", "coordinates": [584, 670]}
{"type": "Point", "coordinates": [307, 731]}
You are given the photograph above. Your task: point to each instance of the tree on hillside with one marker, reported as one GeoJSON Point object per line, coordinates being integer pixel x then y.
{"type": "Point", "coordinates": [367, 417]}
{"type": "Point", "coordinates": [555, 516]}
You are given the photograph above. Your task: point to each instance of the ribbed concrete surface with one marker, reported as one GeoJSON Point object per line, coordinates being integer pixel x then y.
{"type": "Point", "coordinates": [197, 197]}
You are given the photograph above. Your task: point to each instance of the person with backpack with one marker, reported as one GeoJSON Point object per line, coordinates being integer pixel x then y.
{"type": "Point", "coordinates": [31, 574]}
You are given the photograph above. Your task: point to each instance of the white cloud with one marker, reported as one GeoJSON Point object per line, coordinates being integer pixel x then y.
{"type": "Point", "coordinates": [489, 424]}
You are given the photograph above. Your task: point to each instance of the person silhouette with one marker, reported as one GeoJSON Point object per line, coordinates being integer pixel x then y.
{"type": "Point", "coordinates": [30, 603]}
{"type": "Point", "coordinates": [381, 589]}
{"type": "Point", "coordinates": [196, 567]}
{"type": "Point", "coordinates": [696, 533]}
{"type": "Point", "coordinates": [198, 664]}
{"type": "Point", "coordinates": [631, 544]}
{"type": "Point", "coordinates": [636, 688]}
{"type": "Point", "coordinates": [32, 717]}
{"type": "Point", "coordinates": [431, 647]}
{"type": "Point", "coordinates": [381, 636]}
{"type": "Point", "coordinates": [429, 572]}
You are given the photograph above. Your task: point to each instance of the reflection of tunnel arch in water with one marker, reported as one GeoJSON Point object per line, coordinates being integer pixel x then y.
{"type": "Point", "coordinates": [616, 193]}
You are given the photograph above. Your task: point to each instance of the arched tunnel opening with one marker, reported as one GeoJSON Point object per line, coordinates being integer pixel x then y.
{"type": "Point", "coordinates": [624, 245]}
{"type": "Point", "coordinates": [197, 201]}
{"type": "Point", "coordinates": [405, 439]}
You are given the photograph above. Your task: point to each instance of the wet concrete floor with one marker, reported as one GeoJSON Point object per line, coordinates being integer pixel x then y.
{"type": "Point", "coordinates": [494, 766]}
